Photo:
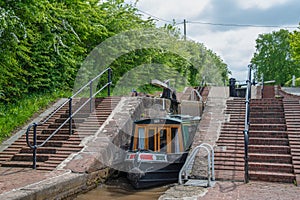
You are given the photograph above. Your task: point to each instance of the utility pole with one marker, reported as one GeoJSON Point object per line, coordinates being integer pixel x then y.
{"type": "Point", "coordinates": [184, 29]}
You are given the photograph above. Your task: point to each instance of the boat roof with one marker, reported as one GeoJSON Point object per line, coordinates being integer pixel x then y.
{"type": "Point", "coordinates": [170, 119]}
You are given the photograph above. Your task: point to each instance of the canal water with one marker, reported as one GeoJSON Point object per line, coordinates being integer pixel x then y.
{"type": "Point", "coordinates": [120, 189]}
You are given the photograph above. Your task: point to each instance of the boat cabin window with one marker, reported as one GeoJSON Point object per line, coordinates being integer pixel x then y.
{"type": "Point", "coordinates": [158, 138]}
{"type": "Point", "coordinates": [175, 141]}
{"type": "Point", "coordinates": [188, 134]}
{"type": "Point", "coordinates": [141, 132]}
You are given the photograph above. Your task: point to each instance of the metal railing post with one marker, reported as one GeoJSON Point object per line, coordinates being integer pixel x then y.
{"type": "Point", "coordinates": [249, 82]}
{"type": "Point", "coordinates": [109, 81]}
{"type": "Point", "coordinates": [34, 146]}
{"type": "Point", "coordinates": [262, 86]}
{"type": "Point", "coordinates": [70, 116]}
{"type": "Point", "coordinates": [247, 123]}
{"type": "Point", "coordinates": [246, 138]}
{"type": "Point", "coordinates": [91, 96]}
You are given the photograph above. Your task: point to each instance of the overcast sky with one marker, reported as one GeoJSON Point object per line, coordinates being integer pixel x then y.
{"type": "Point", "coordinates": [235, 44]}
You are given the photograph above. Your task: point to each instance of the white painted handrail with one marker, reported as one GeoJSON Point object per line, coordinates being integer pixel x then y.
{"type": "Point", "coordinates": [190, 159]}
{"type": "Point", "coordinates": [197, 93]}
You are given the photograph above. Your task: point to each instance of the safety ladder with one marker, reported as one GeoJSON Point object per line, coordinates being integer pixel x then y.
{"type": "Point", "coordinates": [186, 170]}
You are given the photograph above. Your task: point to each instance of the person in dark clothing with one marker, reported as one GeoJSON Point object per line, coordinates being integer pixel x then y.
{"type": "Point", "coordinates": [134, 93]}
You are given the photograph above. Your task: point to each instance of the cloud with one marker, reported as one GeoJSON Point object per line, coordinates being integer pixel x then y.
{"type": "Point", "coordinates": [260, 4]}
{"type": "Point", "coordinates": [234, 12]}
{"type": "Point", "coordinates": [173, 9]}
{"type": "Point", "coordinates": [235, 45]}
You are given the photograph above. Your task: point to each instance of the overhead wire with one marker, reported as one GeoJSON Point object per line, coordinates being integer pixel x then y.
{"type": "Point", "coordinates": [153, 16]}
{"type": "Point", "coordinates": [216, 24]}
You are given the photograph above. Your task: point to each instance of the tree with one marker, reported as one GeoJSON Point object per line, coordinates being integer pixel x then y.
{"type": "Point", "coordinates": [295, 50]}
{"type": "Point", "coordinates": [44, 42]}
{"type": "Point", "coordinates": [273, 57]}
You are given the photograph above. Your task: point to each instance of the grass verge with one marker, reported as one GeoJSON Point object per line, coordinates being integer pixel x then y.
{"type": "Point", "coordinates": [15, 115]}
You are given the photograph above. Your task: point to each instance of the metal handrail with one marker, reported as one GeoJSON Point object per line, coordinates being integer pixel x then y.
{"type": "Point", "coordinates": [190, 159]}
{"type": "Point", "coordinates": [247, 124]}
{"type": "Point", "coordinates": [34, 146]}
{"type": "Point", "coordinates": [193, 91]}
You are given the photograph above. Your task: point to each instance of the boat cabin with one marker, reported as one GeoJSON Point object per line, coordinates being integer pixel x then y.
{"type": "Point", "coordinates": [158, 150]}
{"type": "Point", "coordinates": [165, 135]}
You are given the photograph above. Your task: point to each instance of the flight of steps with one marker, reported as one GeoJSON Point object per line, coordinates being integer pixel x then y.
{"type": "Point", "coordinates": [62, 144]}
{"type": "Point", "coordinates": [292, 116]}
{"type": "Point", "coordinates": [269, 151]}
{"type": "Point", "coordinates": [229, 153]}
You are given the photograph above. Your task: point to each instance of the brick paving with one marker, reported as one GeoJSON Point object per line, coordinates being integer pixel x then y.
{"type": "Point", "coordinates": [252, 191]}
{"type": "Point", "coordinates": [14, 178]}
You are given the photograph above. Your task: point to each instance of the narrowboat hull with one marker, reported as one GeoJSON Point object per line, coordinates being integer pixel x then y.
{"type": "Point", "coordinates": [145, 174]}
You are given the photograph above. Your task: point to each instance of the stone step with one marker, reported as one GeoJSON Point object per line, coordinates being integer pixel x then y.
{"type": "Point", "coordinates": [41, 150]}
{"type": "Point", "coordinates": [227, 165]}
{"type": "Point", "coordinates": [269, 127]}
{"type": "Point", "coordinates": [271, 158]}
{"type": "Point", "coordinates": [268, 134]}
{"type": "Point", "coordinates": [232, 154]}
{"type": "Point", "coordinates": [269, 149]}
{"type": "Point", "coordinates": [230, 145]}
{"type": "Point", "coordinates": [293, 110]}
{"type": "Point", "coordinates": [29, 157]}
{"type": "Point", "coordinates": [236, 124]}
{"type": "Point", "coordinates": [78, 115]}
{"type": "Point", "coordinates": [253, 133]}
{"type": "Point", "coordinates": [233, 129]}
{"type": "Point", "coordinates": [62, 120]}
{"type": "Point", "coordinates": [267, 120]}
{"type": "Point", "coordinates": [271, 167]}
{"type": "Point", "coordinates": [235, 112]}
{"type": "Point", "coordinates": [291, 130]}
{"type": "Point", "coordinates": [49, 131]}
{"type": "Point", "coordinates": [292, 114]}
{"type": "Point", "coordinates": [295, 155]}
{"type": "Point", "coordinates": [268, 141]}
{"type": "Point", "coordinates": [271, 176]}
{"type": "Point", "coordinates": [293, 126]}
{"type": "Point", "coordinates": [236, 120]}
{"type": "Point", "coordinates": [266, 109]}
{"type": "Point", "coordinates": [265, 101]}
{"type": "Point", "coordinates": [55, 137]}
{"type": "Point", "coordinates": [230, 148]}
{"type": "Point", "coordinates": [222, 142]}
{"type": "Point", "coordinates": [295, 143]}
{"type": "Point", "coordinates": [66, 126]}
{"type": "Point", "coordinates": [266, 115]}
{"type": "Point", "coordinates": [231, 135]}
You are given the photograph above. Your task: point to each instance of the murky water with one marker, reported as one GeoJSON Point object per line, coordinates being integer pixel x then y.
{"type": "Point", "coordinates": [120, 189]}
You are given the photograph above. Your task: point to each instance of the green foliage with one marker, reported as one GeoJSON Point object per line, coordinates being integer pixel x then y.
{"type": "Point", "coordinates": [295, 49]}
{"type": "Point", "coordinates": [289, 83]}
{"type": "Point", "coordinates": [44, 42]}
{"type": "Point", "coordinates": [273, 57]}
{"type": "Point", "coordinates": [17, 114]}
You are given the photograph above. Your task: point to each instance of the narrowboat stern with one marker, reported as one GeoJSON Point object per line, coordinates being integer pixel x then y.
{"type": "Point", "coordinates": [158, 149]}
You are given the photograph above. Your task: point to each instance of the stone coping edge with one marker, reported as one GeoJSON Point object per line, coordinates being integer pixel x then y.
{"type": "Point", "coordinates": [64, 186]}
